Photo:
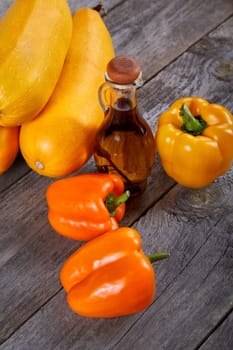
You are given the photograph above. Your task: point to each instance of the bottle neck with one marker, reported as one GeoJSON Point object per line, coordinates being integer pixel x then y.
{"type": "Point", "coordinates": [122, 97]}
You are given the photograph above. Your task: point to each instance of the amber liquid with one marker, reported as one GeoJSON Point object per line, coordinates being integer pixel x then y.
{"type": "Point", "coordinates": [125, 146]}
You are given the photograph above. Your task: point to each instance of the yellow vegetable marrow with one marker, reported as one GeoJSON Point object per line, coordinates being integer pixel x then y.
{"type": "Point", "coordinates": [34, 39]}
{"type": "Point", "coordinates": [61, 139]}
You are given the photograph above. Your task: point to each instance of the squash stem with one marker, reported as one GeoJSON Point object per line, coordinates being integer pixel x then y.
{"type": "Point", "coordinates": [100, 8]}
{"type": "Point", "coordinates": [191, 125]}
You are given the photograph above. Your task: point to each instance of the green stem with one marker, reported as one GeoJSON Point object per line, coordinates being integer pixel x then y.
{"type": "Point", "coordinates": [112, 202]}
{"type": "Point", "coordinates": [191, 125]}
{"type": "Point", "coordinates": [158, 256]}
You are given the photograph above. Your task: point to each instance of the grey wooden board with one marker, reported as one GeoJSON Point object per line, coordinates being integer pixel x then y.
{"type": "Point", "coordinates": [156, 32]}
{"type": "Point", "coordinates": [194, 287]}
{"type": "Point", "coordinates": [222, 338]}
{"type": "Point", "coordinates": [197, 281]}
{"type": "Point", "coordinates": [17, 170]}
{"type": "Point", "coordinates": [34, 314]}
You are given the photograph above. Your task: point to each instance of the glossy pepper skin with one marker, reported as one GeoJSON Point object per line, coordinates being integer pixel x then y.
{"type": "Point", "coordinates": [195, 159]}
{"type": "Point", "coordinates": [77, 208]}
{"type": "Point", "coordinates": [110, 276]}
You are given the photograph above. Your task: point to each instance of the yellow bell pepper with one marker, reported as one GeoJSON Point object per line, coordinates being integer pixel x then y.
{"type": "Point", "coordinates": [194, 140]}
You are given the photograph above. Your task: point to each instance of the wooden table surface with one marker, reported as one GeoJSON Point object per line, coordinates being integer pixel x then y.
{"type": "Point", "coordinates": [185, 47]}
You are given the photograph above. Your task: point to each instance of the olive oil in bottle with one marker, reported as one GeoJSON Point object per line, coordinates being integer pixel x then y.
{"type": "Point", "coordinates": [124, 144]}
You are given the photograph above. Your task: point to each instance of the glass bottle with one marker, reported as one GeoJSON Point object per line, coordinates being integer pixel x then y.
{"type": "Point", "coordinates": [124, 144]}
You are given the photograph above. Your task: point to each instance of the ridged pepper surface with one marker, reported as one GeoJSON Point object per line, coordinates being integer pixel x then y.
{"type": "Point", "coordinates": [85, 206]}
{"type": "Point", "coordinates": [110, 276]}
{"type": "Point", "coordinates": [194, 140]}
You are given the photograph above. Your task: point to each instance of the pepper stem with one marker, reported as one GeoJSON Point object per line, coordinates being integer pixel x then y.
{"type": "Point", "coordinates": [191, 125]}
{"type": "Point", "coordinates": [158, 256]}
{"type": "Point", "coordinates": [112, 202]}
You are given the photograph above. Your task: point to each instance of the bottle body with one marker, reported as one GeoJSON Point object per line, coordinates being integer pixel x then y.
{"type": "Point", "coordinates": [125, 144]}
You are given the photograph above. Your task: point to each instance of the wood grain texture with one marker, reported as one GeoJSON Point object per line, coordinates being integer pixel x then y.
{"type": "Point", "coordinates": [16, 171]}
{"type": "Point", "coordinates": [27, 241]}
{"type": "Point", "coordinates": [194, 73]}
{"type": "Point", "coordinates": [193, 306]}
{"type": "Point", "coordinates": [195, 286]}
{"type": "Point", "coordinates": [222, 338]}
{"type": "Point", "coordinates": [164, 29]}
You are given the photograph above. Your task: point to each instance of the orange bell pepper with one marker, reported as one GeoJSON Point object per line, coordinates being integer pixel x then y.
{"type": "Point", "coordinates": [194, 140]}
{"type": "Point", "coordinates": [85, 206]}
{"type": "Point", "coordinates": [110, 275]}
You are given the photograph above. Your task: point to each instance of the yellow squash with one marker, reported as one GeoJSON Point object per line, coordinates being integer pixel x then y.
{"type": "Point", "coordinates": [61, 139]}
{"type": "Point", "coordinates": [34, 39]}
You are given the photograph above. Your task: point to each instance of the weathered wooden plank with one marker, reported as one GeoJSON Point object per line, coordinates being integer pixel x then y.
{"type": "Point", "coordinates": [17, 170]}
{"type": "Point", "coordinates": [205, 70]}
{"type": "Point", "coordinates": [200, 292]}
{"type": "Point", "coordinates": [156, 32]}
{"type": "Point", "coordinates": [27, 244]}
{"type": "Point", "coordinates": [203, 295]}
{"type": "Point", "coordinates": [5, 4]}
{"type": "Point", "coordinates": [167, 226]}
{"type": "Point", "coordinates": [222, 338]}
{"type": "Point", "coordinates": [196, 72]}
{"type": "Point", "coordinates": [194, 286]}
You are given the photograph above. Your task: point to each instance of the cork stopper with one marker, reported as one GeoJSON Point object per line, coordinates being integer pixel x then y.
{"type": "Point", "coordinates": [123, 69]}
